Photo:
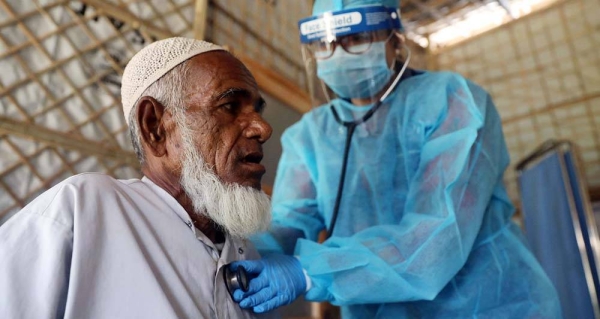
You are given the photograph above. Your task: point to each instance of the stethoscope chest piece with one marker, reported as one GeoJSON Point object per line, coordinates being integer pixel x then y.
{"type": "Point", "coordinates": [237, 279]}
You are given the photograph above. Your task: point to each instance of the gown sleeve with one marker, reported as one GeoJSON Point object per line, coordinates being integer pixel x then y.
{"type": "Point", "coordinates": [295, 210]}
{"type": "Point", "coordinates": [462, 159]}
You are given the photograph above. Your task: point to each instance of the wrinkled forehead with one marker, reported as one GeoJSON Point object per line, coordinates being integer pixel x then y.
{"type": "Point", "coordinates": [212, 73]}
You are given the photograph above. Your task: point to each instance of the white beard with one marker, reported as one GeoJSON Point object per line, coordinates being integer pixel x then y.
{"type": "Point", "coordinates": [241, 211]}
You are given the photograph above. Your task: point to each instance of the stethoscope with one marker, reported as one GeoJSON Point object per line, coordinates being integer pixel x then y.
{"type": "Point", "coordinates": [237, 279]}
{"type": "Point", "coordinates": [350, 128]}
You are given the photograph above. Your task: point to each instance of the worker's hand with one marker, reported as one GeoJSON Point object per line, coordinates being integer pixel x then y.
{"type": "Point", "coordinates": [277, 280]}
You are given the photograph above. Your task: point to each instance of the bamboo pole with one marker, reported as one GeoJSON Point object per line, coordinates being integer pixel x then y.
{"type": "Point", "coordinates": [200, 18]}
{"type": "Point", "coordinates": [63, 140]}
{"type": "Point", "coordinates": [277, 86]}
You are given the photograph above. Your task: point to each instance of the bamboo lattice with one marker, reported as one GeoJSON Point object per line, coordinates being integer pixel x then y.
{"type": "Point", "coordinates": [266, 31]}
{"type": "Point", "coordinates": [62, 62]}
{"type": "Point", "coordinates": [59, 95]}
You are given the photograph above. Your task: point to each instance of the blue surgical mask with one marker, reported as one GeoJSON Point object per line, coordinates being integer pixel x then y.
{"type": "Point", "coordinates": [356, 75]}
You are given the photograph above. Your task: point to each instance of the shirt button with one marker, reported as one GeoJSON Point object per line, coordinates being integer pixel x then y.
{"type": "Point", "coordinates": [240, 250]}
{"type": "Point", "coordinates": [189, 223]}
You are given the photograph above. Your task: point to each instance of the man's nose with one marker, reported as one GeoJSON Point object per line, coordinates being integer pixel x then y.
{"type": "Point", "coordinates": [258, 128]}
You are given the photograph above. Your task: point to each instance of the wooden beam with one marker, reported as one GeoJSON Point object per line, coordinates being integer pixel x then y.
{"type": "Point", "coordinates": [200, 19]}
{"type": "Point", "coordinates": [277, 86]}
{"type": "Point", "coordinates": [263, 42]}
{"type": "Point", "coordinates": [67, 141]}
{"type": "Point", "coordinates": [126, 16]}
{"type": "Point", "coordinates": [427, 9]}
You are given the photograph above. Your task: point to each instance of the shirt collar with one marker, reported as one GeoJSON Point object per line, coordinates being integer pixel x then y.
{"type": "Point", "coordinates": [173, 203]}
{"type": "Point", "coordinates": [232, 245]}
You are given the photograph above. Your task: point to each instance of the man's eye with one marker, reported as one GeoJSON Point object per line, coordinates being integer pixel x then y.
{"type": "Point", "coordinates": [260, 107]}
{"type": "Point", "coordinates": [229, 106]}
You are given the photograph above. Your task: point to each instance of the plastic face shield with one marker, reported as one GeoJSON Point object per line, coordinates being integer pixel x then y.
{"type": "Point", "coordinates": [344, 51]}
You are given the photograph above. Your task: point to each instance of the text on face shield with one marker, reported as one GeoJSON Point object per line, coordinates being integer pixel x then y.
{"type": "Point", "coordinates": [331, 22]}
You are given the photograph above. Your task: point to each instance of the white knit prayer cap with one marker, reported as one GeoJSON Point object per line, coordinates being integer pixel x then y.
{"type": "Point", "coordinates": [154, 61]}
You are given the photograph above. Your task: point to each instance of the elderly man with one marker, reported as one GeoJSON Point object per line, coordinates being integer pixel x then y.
{"type": "Point", "coordinates": [96, 247]}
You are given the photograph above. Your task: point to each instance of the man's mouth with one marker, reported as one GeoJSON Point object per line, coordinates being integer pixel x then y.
{"type": "Point", "coordinates": [253, 158]}
{"type": "Point", "coordinates": [252, 162]}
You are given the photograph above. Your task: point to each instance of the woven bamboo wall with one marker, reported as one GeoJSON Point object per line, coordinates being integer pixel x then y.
{"type": "Point", "coordinates": [265, 30]}
{"type": "Point", "coordinates": [543, 72]}
{"type": "Point", "coordinates": [62, 61]}
{"type": "Point", "coordinates": [59, 93]}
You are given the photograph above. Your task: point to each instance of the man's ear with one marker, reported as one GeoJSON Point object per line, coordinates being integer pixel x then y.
{"type": "Point", "coordinates": [150, 116]}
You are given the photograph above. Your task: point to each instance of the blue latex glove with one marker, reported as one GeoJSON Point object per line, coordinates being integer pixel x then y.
{"type": "Point", "coordinates": [277, 280]}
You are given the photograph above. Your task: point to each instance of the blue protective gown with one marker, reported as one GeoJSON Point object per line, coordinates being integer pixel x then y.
{"type": "Point", "coordinates": [424, 227]}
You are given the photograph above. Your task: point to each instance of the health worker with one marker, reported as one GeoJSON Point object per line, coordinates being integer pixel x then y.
{"type": "Point", "coordinates": [403, 170]}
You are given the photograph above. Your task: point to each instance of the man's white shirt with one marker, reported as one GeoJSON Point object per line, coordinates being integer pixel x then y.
{"type": "Point", "coordinates": [96, 247]}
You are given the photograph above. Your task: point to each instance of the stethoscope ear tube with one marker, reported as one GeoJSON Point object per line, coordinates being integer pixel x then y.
{"type": "Point", "coordinates": [351, 126]}
{"type": "Point", "coordinates": [336, 208]}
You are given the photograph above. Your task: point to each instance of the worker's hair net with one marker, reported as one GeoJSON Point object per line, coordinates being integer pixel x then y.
{"type": "Point", "coordinates": [154, 61]}
{"type": "Point", "coordinates": [321, 6]}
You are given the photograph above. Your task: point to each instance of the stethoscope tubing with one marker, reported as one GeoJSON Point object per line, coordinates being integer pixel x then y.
{"type": "Point", "coordinates": [350, 128]}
